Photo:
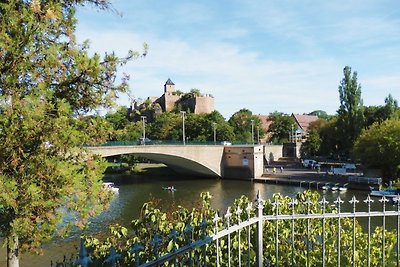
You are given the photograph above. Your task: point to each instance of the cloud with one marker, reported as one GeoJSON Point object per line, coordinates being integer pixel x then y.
{"type": "Point", "coordinates": [264, 58]}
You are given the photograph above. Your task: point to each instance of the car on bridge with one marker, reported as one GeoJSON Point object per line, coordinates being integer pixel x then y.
{"type": "Point", "coordinates": [226, 143]}
{"type": "Point", "coordinates": [144, 141]}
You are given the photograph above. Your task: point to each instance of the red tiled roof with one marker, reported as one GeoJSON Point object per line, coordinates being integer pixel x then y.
{"type": "Point", "coordinates": [304, 120]}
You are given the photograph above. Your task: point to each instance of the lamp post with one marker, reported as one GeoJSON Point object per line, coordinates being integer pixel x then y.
{"type": "Point", "coordinates": [144, 129]}
{"type": "Point", "coordinates": [183, 126]}
{"type": "Point", "coordinates": [258, 135]}
{"type": "Point", "coordinates": [252, 131]}
{"type": "Point", "coordinates": [215, 133]}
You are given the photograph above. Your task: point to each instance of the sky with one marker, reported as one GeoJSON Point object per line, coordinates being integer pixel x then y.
{"type": "Point", "coordinates": [286, 56]}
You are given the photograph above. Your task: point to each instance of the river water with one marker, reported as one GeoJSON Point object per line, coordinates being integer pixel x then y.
{"type": "Point", "coordinates": [126, 206]}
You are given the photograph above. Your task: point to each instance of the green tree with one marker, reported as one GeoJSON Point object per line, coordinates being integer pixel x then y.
{"type": "Point", "coordinates": [379, 147]}
{"type": "Point", "coordinates": [350, 113]}
{"type": "Point", "coordinates": [200, 127]}
{"type": "Point", "coordinates": [281, 127]}
{"type": "Point", "coordinates": [320, 114]}
{"type": "Point", "coordinates": [379, 114]}
{"type": "Point", "coordinates": [242, 122]}
{"type": "Point", "coordinates": [167, 126]}
{"type": "Point", "coordinates": [312, 146]}
{"type": "Point", "coordinates": [46, 80]}
{"type": "Point", "coordinates": [118, 118]}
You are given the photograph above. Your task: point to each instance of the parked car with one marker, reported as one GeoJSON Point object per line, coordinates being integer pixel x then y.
{"type": "Point", "coordinates": [310, 163]}
{"type": "Point", "coordinates": [145, 141]}
{"type": "Point", "coordinates": [226, 143]}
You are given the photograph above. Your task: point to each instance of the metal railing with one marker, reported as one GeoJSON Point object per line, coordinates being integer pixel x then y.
{"type": "Point", "coordinates": [281, 232]}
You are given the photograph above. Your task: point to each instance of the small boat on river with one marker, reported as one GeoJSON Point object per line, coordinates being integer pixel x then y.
{"type": "Point", "coordinates": [326, 186]}
{"type": "Point", "coordinates": [387, 192]}
{"type": "Point", "coordinates": [335, 187]}
{"type": "Point", "coordinates": [110, 186]}
{"type": "Point", "coordinates": [169, 188]}
{"type": "Point", "coordinates": [343, 188]}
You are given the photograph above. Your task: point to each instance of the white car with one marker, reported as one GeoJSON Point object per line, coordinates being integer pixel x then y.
{"type": "Point", "coordinates": [226, 143]}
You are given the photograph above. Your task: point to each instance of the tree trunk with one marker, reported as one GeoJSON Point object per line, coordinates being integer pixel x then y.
{"type": "Point", "coordinates": [12, 251]}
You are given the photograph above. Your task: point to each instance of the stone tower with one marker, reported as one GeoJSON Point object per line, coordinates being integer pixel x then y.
{"type": "Point", "coordinates": [169, 87]}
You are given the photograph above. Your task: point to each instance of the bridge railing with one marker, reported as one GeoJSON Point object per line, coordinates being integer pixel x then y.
{"type": "Point", "coordinates": [302, 233]}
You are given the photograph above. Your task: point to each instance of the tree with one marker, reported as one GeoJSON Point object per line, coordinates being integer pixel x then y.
{"type": "Point", "coordinates": [166, 126]}
{"type": "Point", "coordinates": [200, 127]}
{"type": "Point", "coordinates": [350, 113]}
{"type": "Point", "coordinates": [381, 113]}
{"type": "Point", "coordinates": [379, 147]}
{"type": "Point", "coordinates": [281, 126]}
{"type": "Point", "coordinates": [320, 114]}
{"type": "Point", "coordinates": [241, 121]}
{"type": "Point", "coordinates": [119, 118]}
{"type": "Point", "coordinates": [46, 81]}
{"type": "Point", "coordinates": [312, 146]}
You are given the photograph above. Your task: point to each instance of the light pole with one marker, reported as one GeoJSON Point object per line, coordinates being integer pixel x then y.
{"type": "Point", "coordinates": [183, 126]}
{"type": "Point", "coordinates": [144, 129]}
{"type": "Point", "coordinates": [252, 131]}
{"type": "Point", "coordinates": [258, 135]}
{"type": "Point", "coordinates": [215, 133]}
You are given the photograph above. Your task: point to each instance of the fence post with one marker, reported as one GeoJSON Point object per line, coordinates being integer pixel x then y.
{"type": "Point", "coordinates": [259, 207]}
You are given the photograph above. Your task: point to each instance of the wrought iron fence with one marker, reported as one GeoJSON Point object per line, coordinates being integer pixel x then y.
{"type": "Point", "coordinates": [279, 232]}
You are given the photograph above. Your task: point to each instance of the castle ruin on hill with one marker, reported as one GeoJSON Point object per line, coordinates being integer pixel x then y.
{"type": "Point", "coordinates": [195, 103]}
{"type": "Point", "coordinates": [172, 100]}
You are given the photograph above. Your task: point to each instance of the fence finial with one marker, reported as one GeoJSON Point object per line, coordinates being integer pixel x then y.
{"type": "Point", "coordinates": [84, 260]}
{"type": "Point", "coordinates": [113, 258]}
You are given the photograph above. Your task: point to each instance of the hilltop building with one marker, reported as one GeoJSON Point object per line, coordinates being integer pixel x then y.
{"type": "Point", "coordinates": [195, 103]}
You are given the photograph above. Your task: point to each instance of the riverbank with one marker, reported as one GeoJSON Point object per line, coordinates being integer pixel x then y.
{"type": "Point", "coordinates": [295, 174]}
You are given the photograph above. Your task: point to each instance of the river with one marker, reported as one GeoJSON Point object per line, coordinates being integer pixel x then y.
{"type": "Point", "coordinates": [127, 203]}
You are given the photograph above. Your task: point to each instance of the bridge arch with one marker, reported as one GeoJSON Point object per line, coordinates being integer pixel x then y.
{"type": "Point", "coordinates": [191, 160]}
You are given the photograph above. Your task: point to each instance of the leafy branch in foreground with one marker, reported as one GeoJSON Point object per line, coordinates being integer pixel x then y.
{"type": "Point", "coordinates": [174, 230]}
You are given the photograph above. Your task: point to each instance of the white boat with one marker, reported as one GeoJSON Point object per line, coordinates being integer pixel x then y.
{"type": "Point", "coordinates": [326, 186]}
{"type": "Point", "coordinates": [343, 188]}
{"type": "Point", "coordinates": [110, 186]}
{"type": "Point", "coordinates": [335, 187]}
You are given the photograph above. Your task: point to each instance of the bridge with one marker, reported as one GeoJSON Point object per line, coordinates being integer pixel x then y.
{"type": "Point", "coordinates": [236, 161]}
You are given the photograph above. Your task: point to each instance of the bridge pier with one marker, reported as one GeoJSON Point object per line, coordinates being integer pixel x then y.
{"type": "Point", "coordinates": [243, 162]}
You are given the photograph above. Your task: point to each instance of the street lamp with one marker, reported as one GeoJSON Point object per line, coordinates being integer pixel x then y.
{"type": "Point", "coordinates": [252, 131]}
{"type": "Point", "coordinates": [215, 133]}
{"type": "Point", "coordinates": [258, 135]}
{"type": "Point", "coordinates": [183, 126]}
{"type": "Point", "coordinates": [144, 129]}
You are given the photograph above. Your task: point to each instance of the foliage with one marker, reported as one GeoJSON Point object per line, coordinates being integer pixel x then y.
{"type": "Point", "coordinates": [316, 139]}
{"type": "Point", "coordinates": [167, 126]}
{"type": "Point", "coordinates": [379, 147]}
{"type": "Point", "coordinates": [200, 127]}
{"type": "Point", "coordinates": [281, 127]}
{"type": "Point", "coordinates": [175, 229]}
{"type": "Point", "coordinates": [350, 114]}
{"type": "Point", "coordinates": [47, 81]}
{"type": "Point", "coordinates": [242, 122]}
{"type": "Point", "coordinates": [379, 114]}
{"type": "Point", "coordinates": [119, 118]}
{"type": "Point", "coordinates": [321, 114]}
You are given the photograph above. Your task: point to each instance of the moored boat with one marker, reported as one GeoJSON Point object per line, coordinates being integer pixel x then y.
{"type": "Point", "coordinates": [335, 187]}
{"type": "Point", "coordinates": [343, 188]}
{"type": "Point", "coordinates": [110, 186]}
{"type": "Point", "coordinates": [169, 188]}
{"type": "Point", "coordinates": [326, 186]}
{"type": "Point", "coordinates": [387, 192]}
